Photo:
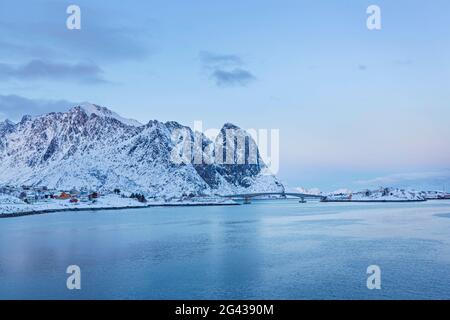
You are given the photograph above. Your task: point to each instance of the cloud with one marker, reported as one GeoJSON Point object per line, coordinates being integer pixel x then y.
{"type": "Point", "coordinates": [13, 107]}
{"type": "Point", "coordinates": [214, 59]}
{"type": "Point", "coordinates": [20, 50]}
{"type": "Point", "coordinates": [433, 177]}
{"type": "Point", "coordinates": [235, 77]}
{"type": "Point", "coordinates": [362, 67]}
{"type": "Point", "coordinates": [226, 69]}
{"type": "Point", "coordinates": [39, 69]}
{"type": "Point", "coordinates": [403, 62]}
{"type": "Point", "coordinates": [39, 34]}
{"type": "Point", "coordinates": [105, 34]}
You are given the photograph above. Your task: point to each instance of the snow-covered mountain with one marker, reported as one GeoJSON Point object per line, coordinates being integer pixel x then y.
{"type": "Point", "coordinates": [91, 146]}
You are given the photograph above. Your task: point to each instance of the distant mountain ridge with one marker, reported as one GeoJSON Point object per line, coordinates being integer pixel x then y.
{"type": "Point", "coordinates": [93, 147]}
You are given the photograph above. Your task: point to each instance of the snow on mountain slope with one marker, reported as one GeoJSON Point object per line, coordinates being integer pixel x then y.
{"type": "Point", "coordinates": [247, 172]}
{"type": "Point", "coordinates": [227, 167]}
{"type": "Point", "coordinates": [6, 127]}
{"type": "Point", "coordinates": [90, 108]}
{"type": "Point", "coordinates": [7, 199]}
{"type": "Point", "coordinates": [91, 146]}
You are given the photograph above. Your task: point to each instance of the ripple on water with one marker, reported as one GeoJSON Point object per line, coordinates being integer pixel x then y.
{"type": "Point", "coordinates": [442, 215]}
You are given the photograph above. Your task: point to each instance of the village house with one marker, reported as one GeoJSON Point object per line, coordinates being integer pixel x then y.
{"type": "Point", "coordinates": [64, 196]}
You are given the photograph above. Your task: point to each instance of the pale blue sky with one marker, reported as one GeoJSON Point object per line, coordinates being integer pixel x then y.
{"type": "Point", "coordinates": [351, 104]}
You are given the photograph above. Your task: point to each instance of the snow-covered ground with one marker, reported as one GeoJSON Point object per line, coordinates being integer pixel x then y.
{"type": "Point", "coordinates": [435, 195]}
{"type": "Point", "coordinates": [11, 205]}
{"type": "Point", "coordinates": [7, 199]}
{"type": "Point", "coordinates": [381, 194]}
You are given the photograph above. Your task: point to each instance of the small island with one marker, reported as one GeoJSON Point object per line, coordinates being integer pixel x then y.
{"type": "Point", "coordinates": [385, 195]}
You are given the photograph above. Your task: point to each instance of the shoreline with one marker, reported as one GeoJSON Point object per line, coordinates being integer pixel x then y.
{"type": "Point", "coordinates": [44, 211]}
{"type": "Point", "coordinates": [375, 201]}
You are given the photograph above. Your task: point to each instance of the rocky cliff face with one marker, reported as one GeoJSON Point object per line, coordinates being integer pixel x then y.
{"type": "Point", "coordinates": [91, 146]}
{"type": "Point", "coordinates": [6, 127]}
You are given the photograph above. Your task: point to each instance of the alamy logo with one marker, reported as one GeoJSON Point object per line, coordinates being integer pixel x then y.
{"type": "Point", "coordinates": [374, 279]}
{"type": "Point", "coordinates": [229, 146]}
{"type": "Point", "coordinates": [73, 22]}
{"type": "Point", "coordinates": [74, 280]}
{"type": "Point", "coordinates": [374, 19]}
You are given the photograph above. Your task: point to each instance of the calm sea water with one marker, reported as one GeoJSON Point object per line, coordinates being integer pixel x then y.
{"type": "Point", "coordinates": [266, 250]}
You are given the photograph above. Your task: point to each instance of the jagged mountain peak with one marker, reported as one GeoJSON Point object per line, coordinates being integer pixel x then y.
{"type": "Point", "coordinates": [173, 125]}
{"type": "Point", "coordinates": [26, 118]}
{"type": "Point", "coordinates": [6, 127]}
{"type": "Point", "coordinates": [103, 112]}
{"type": "Point", "coordinates": [7, 122]}
{"type": "Point", "coordinates": [229, 125]}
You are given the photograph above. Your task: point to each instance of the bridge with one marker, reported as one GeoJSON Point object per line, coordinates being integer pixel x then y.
{"type": "Point", "coordinates": [248, 196]}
